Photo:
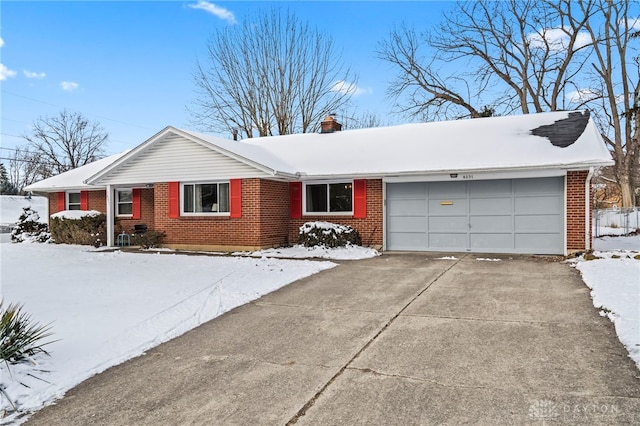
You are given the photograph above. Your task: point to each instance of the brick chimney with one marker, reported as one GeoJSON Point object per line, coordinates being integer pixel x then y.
{"type": "Point", "coordinates": [330, 125]}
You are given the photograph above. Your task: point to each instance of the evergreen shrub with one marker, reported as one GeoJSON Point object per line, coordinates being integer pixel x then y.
{"type": "Point", "coordinates": [88, 229]}
{"type": "Point", "coordinates": [328, 235]}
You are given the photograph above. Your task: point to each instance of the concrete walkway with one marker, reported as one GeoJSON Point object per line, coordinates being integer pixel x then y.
{"type": "Point", "coordinates": [399, 339]}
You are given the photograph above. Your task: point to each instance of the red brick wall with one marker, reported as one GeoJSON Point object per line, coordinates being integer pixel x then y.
{"type": "Point", "coordinates": [214, 230]}
{"type": "Point", "coordinates": [274, 213]}
{"type": "Point", "coordinates": [147, 214]}
{"type": "Point", "coordinates": [97, 201]}
{"type": "Point", "coordinates": [265, 220]}
{"type": "Point", "coordinates": [53, 203]}
{"type": "Point", "coordinates": [576, 210]}
{"type": "Point", "coordinates": [369, 228]}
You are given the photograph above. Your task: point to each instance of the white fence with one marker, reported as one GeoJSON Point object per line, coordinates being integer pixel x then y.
{"type": "Point", "coordinates": [615, 221]}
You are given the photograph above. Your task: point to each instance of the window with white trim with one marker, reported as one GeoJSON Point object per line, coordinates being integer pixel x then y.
{"type": "Point", "coordinates": [205, 198]}
{"type": "Point", "coordinates": [73, 201]}
{"type": "Point", "coordinates": [124, 202]}
{"type": "Point", "coordinates": [332, 197]}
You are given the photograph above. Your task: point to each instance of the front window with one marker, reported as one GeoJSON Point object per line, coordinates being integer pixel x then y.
{"type": "Point", "coordinates": [203, 198]}
{"type": "Point", "coordinates": [73, 201]}
{"type": "Point", "coordinates": [124, 199]}
{"type": "Point", "coordinates": [329, 197]}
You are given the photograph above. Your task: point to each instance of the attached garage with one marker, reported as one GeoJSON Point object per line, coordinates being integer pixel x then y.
{"type": "Point", "coordinates": [492, 216]}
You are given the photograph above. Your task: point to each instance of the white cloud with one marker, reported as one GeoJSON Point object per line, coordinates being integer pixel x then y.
{"type": "Point", "coordinates": [632, 23]}
{"type": "Point", "coordinates": [557, 39]}
{"type": "Point", "coordinates": [69, 86]}
{"type": "Point", "coordinates": [36, 75]}
{"type": "Point", "coordinates": [350, 88]}
{"type": "Point", "coordinates": [5, 72]}
{"type": "Point", "coordinates": [218, 11]}
{"type": "Point", "coordinates": [582, 95]}
{"type": "Point", "coordinates": [1, 42]}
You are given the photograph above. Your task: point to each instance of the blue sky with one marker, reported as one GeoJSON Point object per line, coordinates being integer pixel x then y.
{"type": "Point", "coordinates": [129, 65]}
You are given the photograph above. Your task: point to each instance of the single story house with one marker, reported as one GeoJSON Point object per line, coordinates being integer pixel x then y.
{"type": "Point", "coordinates": [516, 184]}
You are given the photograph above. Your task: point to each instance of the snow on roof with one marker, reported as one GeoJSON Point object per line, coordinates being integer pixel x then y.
{"type": "Point", "coordinates": [74, 179]}
{"type": "Point", "coordinates": [475, 144]}
{"type": "Point", "coordinates": [561, 140]}
{"type": "Point", "coordinates": [553, 140]}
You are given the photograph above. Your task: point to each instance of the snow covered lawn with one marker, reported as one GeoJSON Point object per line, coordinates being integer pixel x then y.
{"type": "Point", "coordinates": [615, 284]}
{"type": "Point", "coordinates": [348, 252]}
{"type": "Point", "coordinates": [107, 307]}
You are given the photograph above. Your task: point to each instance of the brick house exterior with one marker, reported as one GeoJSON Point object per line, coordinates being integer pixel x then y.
{"type": "Point", "coordinates": [575, 211]}
{"type": "Point", "coordinates": [266, 220]}
{"type": "Point", "coordinates": [266, 194]}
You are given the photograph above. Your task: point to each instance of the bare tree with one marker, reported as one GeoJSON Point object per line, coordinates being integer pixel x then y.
{"type": "Point", "coordinates": [65, 142]}
{"type": "Point", "coordinates": [528, 56]}
{"type": "Point", "coordinates": [616, 76]}
{"type": "Point", "coordinates": [489, 57]}
{"type": "Point", "coordinates": [352, 119]}
{"type": "Point", "coordinates": [271, 75]}
{"type": "Point", "coordinates": [26, 167]}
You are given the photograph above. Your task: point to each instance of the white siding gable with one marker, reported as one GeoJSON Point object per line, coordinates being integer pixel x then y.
{"type": "Point", "coordinates": [175, 158]}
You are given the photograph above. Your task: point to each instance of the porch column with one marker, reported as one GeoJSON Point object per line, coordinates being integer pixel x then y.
{"type": "Point", "coordinates": [110, 216]}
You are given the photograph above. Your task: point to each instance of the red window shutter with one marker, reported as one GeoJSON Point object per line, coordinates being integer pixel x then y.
{"type": "Point", "coordinates": [174, 200]}
{"type": "Point", "coordinates": [295, 199]}
{"type": "Point", "coordinates": [84, 200]}
{"type": "Point", "coordinates": [360, 198]}
{"type": "Point", "coordinates": [62, 201]}
{"type": "Point", "coordinates": [235, 197]}
{"type": "Point", "coordinates": [135, 205]}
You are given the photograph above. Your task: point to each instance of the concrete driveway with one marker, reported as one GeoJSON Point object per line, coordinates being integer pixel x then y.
{"type": "Point", "coordinates": [399, 339]}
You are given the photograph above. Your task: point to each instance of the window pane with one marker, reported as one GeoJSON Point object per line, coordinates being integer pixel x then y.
{"type": "Point", "coordinates": [223, 197]}
{"type": "Point", "coordinates": [188, 198]}
{"type": "Point", "coordinates": [73, 207]}
{"type": "Point", "coordinates": [317, 198]}
{"type": "Point", "coordinates": [125, 196]}
{"type": "Point", "coordinates": [125, 208]}
{"type": "Point", "coordinates": [74, 198]}
{"type": "Point", "coordinates": [340, 197]}
{"type": "Point", "coordinates": [208, 198]}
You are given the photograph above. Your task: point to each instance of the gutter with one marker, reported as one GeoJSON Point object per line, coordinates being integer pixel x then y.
{"type": "Point", "coordinates": [587, 210]}
{"type": "Point", "coordinates": [48, 189]}
{"type": "Point", "coordinates": [554, 168]}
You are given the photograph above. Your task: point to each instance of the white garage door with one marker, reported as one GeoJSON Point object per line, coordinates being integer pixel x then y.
{"type": "Point", "coordinates": [490, 216]}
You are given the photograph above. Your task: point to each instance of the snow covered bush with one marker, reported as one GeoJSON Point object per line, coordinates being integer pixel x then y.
{"type": "Point", "coordinates": [327, 234]}
{"type": "Point", "coordinates": [29, 228]}
{"type": "Point", "coordinates": [79, 227]}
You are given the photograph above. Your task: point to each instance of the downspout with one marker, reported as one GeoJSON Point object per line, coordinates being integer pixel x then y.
{"type": "Point", "coordinates": [587, 210]}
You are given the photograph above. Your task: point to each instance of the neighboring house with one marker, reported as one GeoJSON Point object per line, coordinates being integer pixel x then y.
{"type": "Point", "coordinates": [517, 184]}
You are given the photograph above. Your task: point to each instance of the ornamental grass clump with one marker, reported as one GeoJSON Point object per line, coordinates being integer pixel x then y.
{"type": "Point", "coordinates": [20, 337]}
